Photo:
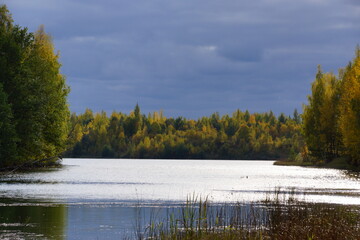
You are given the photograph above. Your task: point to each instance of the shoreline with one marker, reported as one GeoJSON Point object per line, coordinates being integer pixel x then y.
{"type": "Point", "coordinates": [335, 164]}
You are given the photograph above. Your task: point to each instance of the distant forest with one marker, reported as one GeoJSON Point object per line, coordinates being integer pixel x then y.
{"type": "Point", "coordinates": [240, 136]}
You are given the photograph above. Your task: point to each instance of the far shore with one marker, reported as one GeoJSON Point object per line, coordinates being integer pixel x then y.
{"type": "Point", "coordinates": [335, 164]}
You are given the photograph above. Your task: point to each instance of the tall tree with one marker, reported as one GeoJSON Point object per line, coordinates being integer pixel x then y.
{"type": "Point", "coordinates": [314, 129]}
{"type": "Point", "coordinates": [329, 117]}
{"type": "Point", "coordinates": [15, 45]}
{"type": "Point", "coordinates": [34, 90]}
{"type": "Point", "coordinates": [321, 118]}
{"type": "Point", "coordinates": [53, 113]}
{"type": "Point", "coordinates": [350, 109]}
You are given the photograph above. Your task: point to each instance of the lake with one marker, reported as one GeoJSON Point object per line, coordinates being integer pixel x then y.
{"type": "Point", "coordinates": [104, 198]}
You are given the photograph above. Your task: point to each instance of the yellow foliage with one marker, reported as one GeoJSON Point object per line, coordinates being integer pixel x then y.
{"type": "Point", "coordinates": [350, 109]}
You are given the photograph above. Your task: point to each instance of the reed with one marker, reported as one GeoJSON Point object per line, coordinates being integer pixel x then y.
{"type": "Point", "coordinates": [277, 217]}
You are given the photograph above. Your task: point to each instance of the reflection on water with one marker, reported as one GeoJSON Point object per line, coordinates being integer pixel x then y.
{"type": "Point", "coordinates": [98, 198]}
{"type": "Point", "coordinates": [32, 220]}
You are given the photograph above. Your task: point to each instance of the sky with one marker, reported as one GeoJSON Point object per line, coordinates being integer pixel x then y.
{"type": "Point", "coordinates": [192, 58]}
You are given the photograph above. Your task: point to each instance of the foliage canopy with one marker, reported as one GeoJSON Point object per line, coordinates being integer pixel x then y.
{"type": "Point", "coordinates": [33, 96]}
{"type": "Point", "coordinates": [332, 116]}
{"type": "Point", "coordinates": [240, 136]}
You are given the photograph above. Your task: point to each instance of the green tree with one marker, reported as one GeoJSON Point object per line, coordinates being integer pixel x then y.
{"type": "Point", "coordinates": [311, 117]}
{"type": "Point", "coordinates": [35, 91]}
{"type": "Point", "coordinates": [321, 118]}
{"type": "Point", "coordinates": [52, 112]}
{"type": "Point", "coordinates": [8, 138]}
{"type": "Point", "coordinates": [296, 116]}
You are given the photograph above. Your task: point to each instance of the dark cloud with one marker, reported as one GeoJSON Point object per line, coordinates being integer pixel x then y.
{"type": "Point", "coordinates": [241, 53]}
{"type": "Point", "coordinates": [193, 58]}
{"type": "Point", "coordinates": [353, 2]}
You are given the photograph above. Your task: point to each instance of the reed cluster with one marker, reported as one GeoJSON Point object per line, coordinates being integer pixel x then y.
{"type": "Point", "coordinates": [274, 218]}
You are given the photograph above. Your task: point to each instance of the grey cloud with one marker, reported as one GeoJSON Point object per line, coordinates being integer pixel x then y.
{"type": "Point", "coordinates": [353, 2]}
{"type": "Point", "coordinates": [193, 58]}
{"type": "Point", "coordinates": [241, 53]}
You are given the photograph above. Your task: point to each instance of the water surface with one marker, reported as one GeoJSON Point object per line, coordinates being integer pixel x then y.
{"type": "Point", "coordinates": [99, 198]}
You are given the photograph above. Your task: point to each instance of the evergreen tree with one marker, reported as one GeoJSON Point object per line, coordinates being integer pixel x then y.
{"type": "Point", "coordinates": [296, 116]}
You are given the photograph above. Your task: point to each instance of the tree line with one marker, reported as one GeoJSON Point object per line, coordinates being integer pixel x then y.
{"type": "Point", "coordinates": [35, 123]}
{"type": "Point", "coordinates": [33, 106]}
{"type": "Point", "coordinates": [240, 136]}
{"type": "Point", "coordinates": [332, 116]}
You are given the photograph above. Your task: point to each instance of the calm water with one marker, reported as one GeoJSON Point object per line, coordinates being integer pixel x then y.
{"type": "Point", "coordinates": [99, 198]}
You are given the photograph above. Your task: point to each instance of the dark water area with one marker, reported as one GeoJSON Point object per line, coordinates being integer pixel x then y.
{"type": "Point", "coordinates": [41, 220]}
{"type": "Point", "coordinates": [113, 199]}
{"type": "Point", "coordinates": [32, 220]}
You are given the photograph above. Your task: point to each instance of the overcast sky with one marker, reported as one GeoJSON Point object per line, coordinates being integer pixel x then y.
{"type": "Point", "coordinates": [194, 57]}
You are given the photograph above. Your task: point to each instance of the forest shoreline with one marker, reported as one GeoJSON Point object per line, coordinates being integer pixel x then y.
{"type": "Point", "coordinates": [338, 163]}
